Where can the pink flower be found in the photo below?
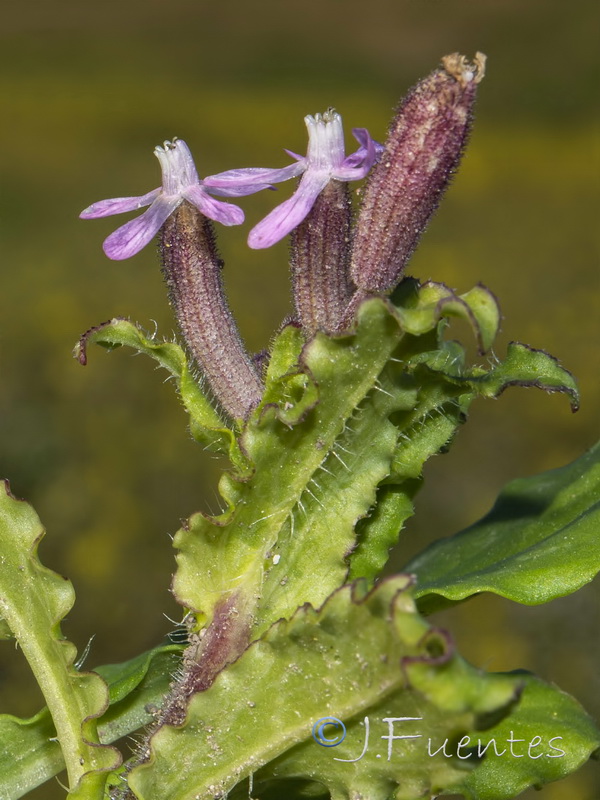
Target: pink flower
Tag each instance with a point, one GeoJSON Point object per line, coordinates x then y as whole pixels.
{"type": "Point", "coordinates": [180, 182]}
{"type": "Point", "coordinates": [325, 160]}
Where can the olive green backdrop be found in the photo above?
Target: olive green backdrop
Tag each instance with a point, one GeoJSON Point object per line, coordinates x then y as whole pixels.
{"type": "Point", "coordinates": [88, 90]}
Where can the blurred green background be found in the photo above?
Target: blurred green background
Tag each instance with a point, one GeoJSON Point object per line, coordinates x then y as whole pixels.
{"type": "Point", "coordinates": [88, 90]}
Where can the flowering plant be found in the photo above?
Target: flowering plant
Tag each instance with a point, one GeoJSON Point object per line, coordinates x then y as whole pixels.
{"type": "Point", "coordinates": [291, 644]}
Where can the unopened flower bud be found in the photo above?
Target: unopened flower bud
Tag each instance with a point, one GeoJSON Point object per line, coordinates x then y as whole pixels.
{"type": "Point", "coordinates": [423, 150]}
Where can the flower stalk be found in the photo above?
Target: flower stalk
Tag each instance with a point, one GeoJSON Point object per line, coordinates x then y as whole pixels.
{"type": "Point", "coordinates": [424, 147]}
{"type": "Point", "coordinates": [192, 270]}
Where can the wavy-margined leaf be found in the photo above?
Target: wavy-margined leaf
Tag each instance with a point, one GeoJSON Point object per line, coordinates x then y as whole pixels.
{"type": "Point", "coordinates": [360, 655]}
{"type": "Point", "coordinates": [33, 601]}
{"type": "Point", "coordinates": [417, 304]}
{"type": "Point", "coordinates": [324, 438]}
{"type": "Point", "coordinates": [29, 750]}
{"type": "Point", "coordinates": [539, 542]}
{"type": "Point", "coordinates": [526, 366]}
{"type": "Point", "coordinates": [445, 388]}
{"type": "Point", "coordinates": [326, 468]}
{"type": "Point", "coordinates": [545, 737]}
{"type": "Point", "coordinates": [205, 423]}
{"type": "Point", "coordinates": [314, 476]}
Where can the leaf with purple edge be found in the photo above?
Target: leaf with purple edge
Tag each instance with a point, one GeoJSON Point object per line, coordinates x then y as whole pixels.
{"type": "Point", "coordinates": [526, 366]}
{"type": "Point", "coordinates": [342, 419]}
{"type": "Point", "coordinates": [359, 655]}
{"type": "Point", "coordinates": [295, 514]}
{"type": "Point", "coordinates": [420, 307]}
{"type": "Point", "coordinates": [205, 423]}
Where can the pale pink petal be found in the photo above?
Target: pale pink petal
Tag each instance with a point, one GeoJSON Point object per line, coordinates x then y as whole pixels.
{"type": "Point", "coordinates": [287, 216]}
{"type": "Point", "coordinates": [239, 182]}
{"type": "Point", "coordinates": [363, 137]}
{"type": "Point", "coordinates": [225, 213]}
{"type": "Point", "coordinates": [118, 205]}
{"type": "Point", "coordinates": [356, 166]}
{"type": "Point", "coordinates": [238, 191]}
{"type": "Point", "coordinates": [130, 238]}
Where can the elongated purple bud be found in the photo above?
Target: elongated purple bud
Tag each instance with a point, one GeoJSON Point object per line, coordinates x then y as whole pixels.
{"type": "Point", "coordinates": [320, 261]}
{"type": "Point", "coordinates": [192, 270]}
{"type": "Point", "coordinates": [423, 150]}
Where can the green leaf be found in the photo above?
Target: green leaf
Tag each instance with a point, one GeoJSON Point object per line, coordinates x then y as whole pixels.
{"type": "Point", "coordinates": [29, 750]}
{"type": "Point", "coordinates": [417, 306]}
{"type": "Point", "coordinates": [33, 601]}
{"type": "Point", "coordinates": [445, 387]}
{"type": "Point", "coordinates": [342, 420]}
{"type": "Point", "coordinates": [525, 366]}
{"type": "Point", "coordinates": [205, 423]}
{"type": "Point", "coordinates": [360, 655]}
{"type": "Point", "coordinates": [486, 312]}
{"type": "Point", "coordinates": [29, 753]}
{"type": "Point", "coordinates": [326, 467]}
{"type": "Point", "coordinates": [137, 687]}
{"type": "Point", "coordinates": [539, 542]}
{"type": "Point", "coordinates": [378, 533]}
{"type": "Point", "coordinates": [340, 417]}
{"type": "Point", "coordinates": [545, 737]}
{"type": "Point", "coordinates": [320, 443]}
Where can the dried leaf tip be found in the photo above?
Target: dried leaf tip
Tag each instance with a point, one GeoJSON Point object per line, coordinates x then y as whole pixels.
{"type": "Point", "coordinates": [464, 72]}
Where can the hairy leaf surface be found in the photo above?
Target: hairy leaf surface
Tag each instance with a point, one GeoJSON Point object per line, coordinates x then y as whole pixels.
{"type": "Point", "coordinates": [325, 469]}
{"type": "Point", "coordinates": [330, 432]}
{"type": "Point", "coordinates": [360, 655]}
{"type": "Point", "coordinates": [205, 423]}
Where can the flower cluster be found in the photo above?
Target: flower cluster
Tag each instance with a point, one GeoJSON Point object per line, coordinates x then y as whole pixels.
{"type": "Point", "coordinates": [336, 262]}
{"type": "Point", "coordinates": [325, 160]}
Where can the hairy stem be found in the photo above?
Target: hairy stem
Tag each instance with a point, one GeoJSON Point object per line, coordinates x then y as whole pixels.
{"type": "Point", "coordinates": [192, 270]}
{"type": "Point", "coordinates": [320, 261]}
{"type": "Point", "coordinates": [221, 642]}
